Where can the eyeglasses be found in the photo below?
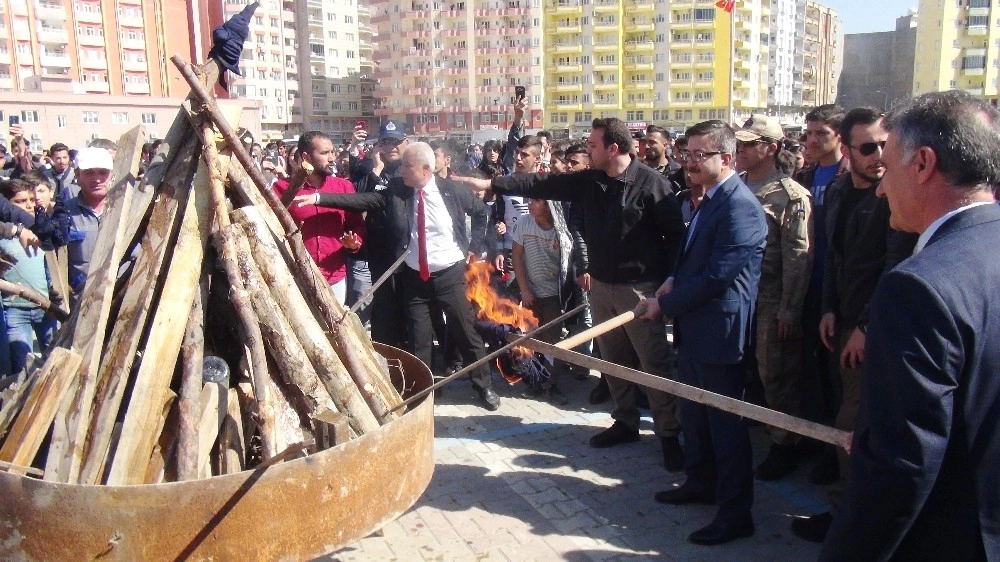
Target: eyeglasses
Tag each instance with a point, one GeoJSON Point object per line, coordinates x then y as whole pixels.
{"type": "Point", "coordinates": [696, 156]}
{"type": "Point", "coordinates": [386, 141]}
{"type": "Point", "coordinates": [747, 144]}
{"type": "Point", "coordinates": [869, 148]}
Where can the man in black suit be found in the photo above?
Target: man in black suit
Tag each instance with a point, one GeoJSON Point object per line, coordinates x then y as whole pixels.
{"type": "Point", "coordinates": [427, 214]}
{"type": "Point", "coordinates": [925, 460]}
{"type": "Point", "coordinates": [711, 296]}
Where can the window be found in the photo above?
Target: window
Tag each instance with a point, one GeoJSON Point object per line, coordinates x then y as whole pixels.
{"type": "Point", "coordinates": [90, 117]}
{"type": "Point", "coordinates": [119, 118]}
{"type": "Point", "coordinates": [61, 121]}
{"type": "Point", "coordinates": [29, 116]}
{"type": "Point", "coordinates": [148, 118]}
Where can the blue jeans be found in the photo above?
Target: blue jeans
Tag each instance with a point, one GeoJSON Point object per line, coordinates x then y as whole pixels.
{"type": "Point", "coordinates": [22, 324]}
{"type": "Point", "coordinates": [359, 281]}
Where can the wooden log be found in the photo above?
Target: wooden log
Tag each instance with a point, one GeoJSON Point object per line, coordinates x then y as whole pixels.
{"type": "Point", "coordinates": [296, 182]}
{"type": "Point", "coordinates": [226, 249]}
{"type": "Point", "coordinates": [27, 470]}
{"type": "Point", "coordinates": [375, 386]}
{"type": "Point", "coordinates": [161, 467]}
{"type": "Point", "coordinates": [57, 263]}
{"type": "Point", "coordinates": [293, 360]}
{"type": "Point", "coordinates": [14, 401]}
{"type": "Point", "coordinates": [69, 432]}
{"type": "Point", "coordinates": [139, 300]}
{"type": "Point", "coordinates": [602, 328]}
{"type": "Point", "coordinates": [192, 359]}
{"type": "Point", "coordinates": [35, 418]}
{"type": "Point", "coordinates": [231, 454]}
{"type": "Point", "coordinates": [165, 334]}
{"type": "Point", "coordinates": [214, 408]}
{"type": "Point", "coordinates": [34, 297]}
{"type": "Point", "coordinates": [330, 429]}
{"type": "Point", "coordinates": [356, 353]}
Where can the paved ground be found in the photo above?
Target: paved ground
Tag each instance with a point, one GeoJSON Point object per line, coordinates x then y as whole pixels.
{"type": "Point", "coordinates": [522, 484]}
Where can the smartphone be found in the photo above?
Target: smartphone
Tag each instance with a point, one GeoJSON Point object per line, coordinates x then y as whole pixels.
{"type": "Point", "coordinates": [519, 92]}
{"type": "Point", "coordinates": [359, 125]}
{"type": "Point", "coordinates": [14, 120]}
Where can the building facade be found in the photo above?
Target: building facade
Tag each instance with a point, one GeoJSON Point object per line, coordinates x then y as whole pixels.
{"type": "Point", "coordinates": [786, 58]}
{"type": "Point", "coordinates": [116, 47]}
{"type": "Point", "coordinates": [958, 47]}
{"type": "Point", "coordinates": [51, 112]}
{"type": "Point", "coordinates": [452, 67]}
{"type": "Point", "coordinates": [878, 67]}
{"type": "Point", "coordinates": [823, 55]}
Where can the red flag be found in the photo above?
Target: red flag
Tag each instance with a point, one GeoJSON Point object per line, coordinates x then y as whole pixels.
{"type": "Point", "coordinates": [727, 5]}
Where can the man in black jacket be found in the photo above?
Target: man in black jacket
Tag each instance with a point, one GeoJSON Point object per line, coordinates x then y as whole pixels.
{"type": "Point", "coordinates": [631, 224]}
{"type": "Point", "coordinates": [427, 214]}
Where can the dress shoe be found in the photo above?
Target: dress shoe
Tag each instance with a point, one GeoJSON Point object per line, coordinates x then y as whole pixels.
{"type": "Point", "coordinates": [673, 455]}
{"type": "Point", "coordinates": [718, 532]}
{"type": "Point", "coordinates": [812, 529]}
{"type": "Point", "coordinates": [684, 495]}
{"type": "Point", "coordinates": [600, 394]}
{"type": "Point", "coordinates": [780, 461]}
{"type": "Point", "coordinates": [491, 401]}
{"type": "Point", "coordinates": [826, 472]}
{"type": "Point", "coordinates": [616, 434]}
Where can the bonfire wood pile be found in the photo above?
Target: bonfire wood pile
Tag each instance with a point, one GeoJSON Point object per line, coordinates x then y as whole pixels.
{"type": "Point", "coordinates": [198, 259]}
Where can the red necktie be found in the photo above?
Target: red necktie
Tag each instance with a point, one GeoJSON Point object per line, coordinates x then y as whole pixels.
{"type": "Point", "coordinates": [425, 269]}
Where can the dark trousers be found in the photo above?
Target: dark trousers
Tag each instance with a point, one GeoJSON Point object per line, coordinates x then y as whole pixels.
{"type": "Point", "coordinates": [446, 290]}
{"type": "Point", "coordinates": [387, 308]}
{"type": "Point", "coordinates": [717, 450]}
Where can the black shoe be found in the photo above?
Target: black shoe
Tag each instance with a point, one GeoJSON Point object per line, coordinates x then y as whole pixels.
{"type": "Point", "coordinates": [555, 396]}
{"type": "Point", "coordinates": [718, 532]}
{"type": "Point", "coordinates": [491, 401]}
{"type": "Point", "coordinates": [780, 461]}
{"type": "Point", "coordinates": [684, 495]}
{"type": "Point", "coordinates": [812, 529]}
{"type": "Point", "coordinates": [673, 456]}
{"type": "Point", "coordinates": [616, 434]}
{"type": "Point", "coordinates": [826, 472]}
{"type": "Point", "coordinates": [533, 391]}
{"type": "Point", "coordinates": [600, 394]}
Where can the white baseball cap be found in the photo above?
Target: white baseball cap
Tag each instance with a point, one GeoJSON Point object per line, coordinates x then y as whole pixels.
{"type": "Point", "coordinates": [94, 158]}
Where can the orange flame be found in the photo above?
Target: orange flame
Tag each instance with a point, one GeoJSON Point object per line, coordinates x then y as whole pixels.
{"type": "Point", "coordinates": [493, 307]}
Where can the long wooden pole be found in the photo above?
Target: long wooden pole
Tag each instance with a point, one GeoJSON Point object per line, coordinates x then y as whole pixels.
{"type": "Point", "coordinates": [515, 341]}
{"type": "Point", "coordinates": [800, 426]}
{"type": "Point", "coordinates": [602, 328]}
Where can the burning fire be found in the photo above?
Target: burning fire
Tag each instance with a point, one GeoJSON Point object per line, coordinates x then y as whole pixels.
{"type": "Point", "coordinates": [493, 307]}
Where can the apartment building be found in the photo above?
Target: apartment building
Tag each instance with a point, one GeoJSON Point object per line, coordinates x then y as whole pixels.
{"type": "Point", "coordinates": [307, 61]}
{"type": "Point", "coordinates": [117, 47]}
{"type": "Point", "coordinates": [643, 63]}
{"type": "Point", "coordinates": [451, 66]}
{"type": "Point", "coordinates": [785, 61]}
{"type": "Point", "coordinates": [823, 55]}
{"type": "Point", "coordinates": [958, 47]}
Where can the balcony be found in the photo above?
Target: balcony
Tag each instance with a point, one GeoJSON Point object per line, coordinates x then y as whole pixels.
{"type": "Point", "coordinates": [605, 104]}
{"type": "Point", "coordinates": [605, 86]}
{"type": "Point", "coordinates": [89, 17]}
{"type": "Point", "coordinates": [640, 47]}
{"type": "Point", "coordinates": [6, 82]}
{"type": "Point", "coordinates": [416, 34]}
{"type": "Point", "coordinates": [130, 21]}
{"type": "Point", "coordinates": [976, 30]}
{"type": "Point", "coordinates": [133, 65]}
{"type": "Point", "coordinates": [564, 49]}
{"type": "Point", "coordinates": [639, 86]}
{"type": "Point", "coordinates": [5, 57]}
{"type": "Point", "coordinates": [606, 25]}
{"type": "Point", "coordinates": [605, 47]}
{"type": "Point", "coordinates": [55, 60]}
{"type": "Point", "coordinates": [973, 71]}
{"type": "Point", "coordinates": [52, 35]}
{"type": "Point", "coordinates": [564, 9]}
{"type": "Point", "coordinates": [638, 65]}
{"type": "Point", "coordinates": [138, 44]}
{"type": "Point", "coordinates": [565, 28]}
{"type": "Point", "coordinates": [90, 40]}
{"type": "Point", "coordinates": [136, 88]}
{"type": "Point", "coordinates": [97, 87]}
{"type": "Point", "coordinates": [640, 6]}
{"type": "Point", "coordinates": [417, 91]}
{"type": "Point", "coordinates": [566, 68]}
{"type": "Point", "coordinates": [50, 11]}
{"type": "Point", "coordinates": [605, 6]}
{"type": "Point", "coordinates": [606, 65]}
{"type": "Point", "coordinates": [564, 87]}
{"type": "Point", "coordinates": [647, 104]}
{"type": "Point", "coordinates": [566, 106]}
{"type": "Point", "coordinates": [639, 27]}
{"type": "Point", "coordinates": [416, 72]}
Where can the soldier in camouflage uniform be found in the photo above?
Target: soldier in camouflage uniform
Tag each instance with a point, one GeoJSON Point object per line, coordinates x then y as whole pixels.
{"type": "Point", "coordinates": [783, 282]}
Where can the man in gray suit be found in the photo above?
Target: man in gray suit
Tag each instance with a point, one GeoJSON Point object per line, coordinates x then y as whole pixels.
{"type": "Point", "coordinates": [925, 460]}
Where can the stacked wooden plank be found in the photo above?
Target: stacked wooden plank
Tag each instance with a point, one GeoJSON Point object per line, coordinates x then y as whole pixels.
{"type": "Point", "coordinates": [195, 264]}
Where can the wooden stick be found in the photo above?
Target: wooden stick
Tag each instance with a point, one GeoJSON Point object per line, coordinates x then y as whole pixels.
{"type": "Point", "coordinates": [192, 360]}
{"type": "Point", "coordinates": [602, 328]}
{"type": "Point", "coordinates": [296, 182]}
{"type": "Point", "coordinates": [371, 290]}
{"type": "Point", "coordinates": [29, 470]}
{"type": "Point", "coordinates": [34, 297]}
{"type": "Point", "coordinates": [515, 341]}
{"type": "Point", "coordinates": [800, 426]}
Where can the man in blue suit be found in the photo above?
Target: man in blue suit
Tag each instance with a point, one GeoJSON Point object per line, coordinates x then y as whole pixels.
{"type": "Point", "coordinates": [711, 297]}
{"type": "Point", "coordinates": [925, 461]}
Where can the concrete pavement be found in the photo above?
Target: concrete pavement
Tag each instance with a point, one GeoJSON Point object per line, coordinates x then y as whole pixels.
{"type": "Point", "coordinates": [522, 484]}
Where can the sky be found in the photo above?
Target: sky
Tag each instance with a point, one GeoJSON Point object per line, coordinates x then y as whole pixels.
{"type": "Point", "coordinates": [861, 16]}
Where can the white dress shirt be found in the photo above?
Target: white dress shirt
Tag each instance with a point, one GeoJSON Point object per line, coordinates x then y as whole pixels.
{"type": "Point", "coordinates": [925, 236]}
{"type": "Point", "coordinates": [442, 249]}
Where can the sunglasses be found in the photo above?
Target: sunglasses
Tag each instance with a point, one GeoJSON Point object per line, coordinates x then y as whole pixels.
{"type": "Point", "coordinates": [390, 142]}
{"type": "Point", "coordinates": [869, 148]}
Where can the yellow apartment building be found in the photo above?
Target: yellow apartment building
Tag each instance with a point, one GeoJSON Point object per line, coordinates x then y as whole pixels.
{"type": "Point", "coordinates": [958, 47]}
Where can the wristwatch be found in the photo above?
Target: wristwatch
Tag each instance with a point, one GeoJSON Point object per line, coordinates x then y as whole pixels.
{"type": "Point", "coordinates": [18, 230]}
{"type": "Point", "coordinates": [863, 328]}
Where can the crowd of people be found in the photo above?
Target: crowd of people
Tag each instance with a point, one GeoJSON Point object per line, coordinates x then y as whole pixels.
{"type": "Point", "coordinates": [843, 275]}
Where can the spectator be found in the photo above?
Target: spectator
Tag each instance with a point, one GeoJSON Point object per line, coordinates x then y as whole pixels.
{"type": "Point", "coordinates": [60, 175]}
{"type": "Point", "coordinates": [93, 175]}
